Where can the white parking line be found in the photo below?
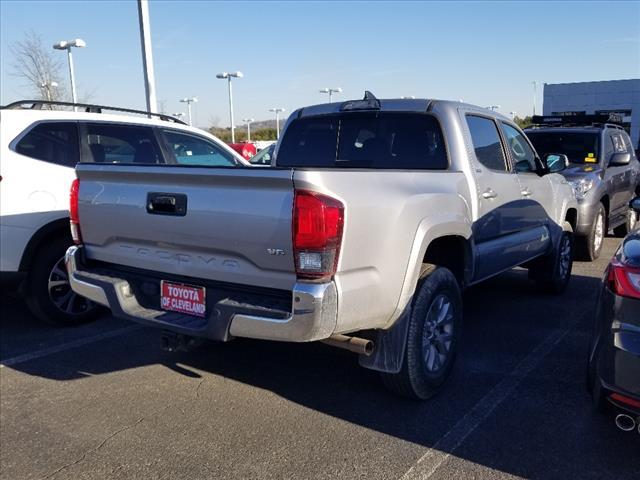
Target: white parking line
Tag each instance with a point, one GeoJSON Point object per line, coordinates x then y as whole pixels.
{"type": "Point", "coordinates": [429, 463]}
{"type": "Point", "coordinates": [66, 346]}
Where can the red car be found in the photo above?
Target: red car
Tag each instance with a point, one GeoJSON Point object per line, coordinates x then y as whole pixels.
{"type": "Point", "coordinates": [247, 150]}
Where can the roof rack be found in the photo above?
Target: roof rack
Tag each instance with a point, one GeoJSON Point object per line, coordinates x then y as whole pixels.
{"type": "Point", "coordinates": [610, 120]}
{"type": "Point", "coordinates": [88, 108]}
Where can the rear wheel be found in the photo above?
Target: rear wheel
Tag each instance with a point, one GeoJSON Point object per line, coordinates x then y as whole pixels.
{"type": "Point", "coordinates": [432, 339]}
{"type": "Point", "coordinates": [49, 295]}
{"type": "Point", "coordinates": [629, 225]}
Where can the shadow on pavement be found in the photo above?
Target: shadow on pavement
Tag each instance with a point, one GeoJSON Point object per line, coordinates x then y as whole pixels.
{"type": "Point", "coordinates": [545, 429]}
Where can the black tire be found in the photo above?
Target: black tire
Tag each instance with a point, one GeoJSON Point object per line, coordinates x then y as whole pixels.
{"type": "Point", "coordinates": [424, 371]}
{"type": "Point", "coordinates": [589, 245]}
{"type": "Point", "coordinates": [47, 266]}
{"type": "Point", "coordinates": [629, 225]}
{"type": "Point", "coordinates": [561, 263]}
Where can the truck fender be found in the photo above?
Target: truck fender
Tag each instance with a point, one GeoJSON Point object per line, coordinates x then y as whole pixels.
{"type": "Point", "coordinates": [391, 342]}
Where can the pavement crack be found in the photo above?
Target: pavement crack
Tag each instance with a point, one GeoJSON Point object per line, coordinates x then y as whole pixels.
{"type": "Point", "coordinates": [95, 449]}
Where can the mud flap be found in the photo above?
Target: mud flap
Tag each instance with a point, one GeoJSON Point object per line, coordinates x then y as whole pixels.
{"type": "Point", "coordinates": [390, 345]}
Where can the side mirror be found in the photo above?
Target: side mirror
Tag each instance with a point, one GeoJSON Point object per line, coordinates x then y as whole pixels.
{"type": "Point", "coordinates": [635, 204]}
{"type": "Point", "coordinates": [556, 162]}
{"type": "Point", "coordinates": [620, 159]}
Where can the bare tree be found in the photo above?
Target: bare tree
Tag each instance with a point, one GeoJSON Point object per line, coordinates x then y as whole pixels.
{"type": "Point", "coordinates": [39, 67]}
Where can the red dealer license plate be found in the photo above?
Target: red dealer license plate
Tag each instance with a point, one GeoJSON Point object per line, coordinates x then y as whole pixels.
{"type": "Point", "coordinates": [180, 298]}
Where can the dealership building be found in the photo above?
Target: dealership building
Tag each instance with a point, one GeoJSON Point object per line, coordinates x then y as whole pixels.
{"type": "Point", "coordinates": [615, 96]}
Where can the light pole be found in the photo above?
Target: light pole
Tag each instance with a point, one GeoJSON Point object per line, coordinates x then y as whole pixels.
{"type": "Point", "coordinates": [513, 115]}
{"type": "Point", "coordinates": [229, 76]}
{"type": "Point", "coordinates": [248, 122]}
{"type": "Point", "coordinates": [330, 91]}
{"type": "Point", "coordinates": [189, 101]}
{"type": "Point", "coordinates": [277, 111]}
{"type": "Point", "coordinates": [66, 45]}
{"type": "Point", "coordinates": [493, 108]}
{"type": "Point", "coordinates": [178, 115]}
{"type": "Point", "coordinates": [47, 86]}
{"type": "Point", "coordinates": [534, 96]}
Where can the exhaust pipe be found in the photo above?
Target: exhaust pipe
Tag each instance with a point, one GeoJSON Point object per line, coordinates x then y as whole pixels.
{"type": "Point", "coordinates": [625, 422]}
{"type": "Point", "coordinates": [357, 345]}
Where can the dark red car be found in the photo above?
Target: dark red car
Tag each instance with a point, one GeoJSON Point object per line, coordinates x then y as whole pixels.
{"type": "Point", "coordinates": [246, 149]}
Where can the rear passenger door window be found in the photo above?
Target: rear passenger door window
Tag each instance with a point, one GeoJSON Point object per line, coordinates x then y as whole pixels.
{"type": "Point", "coordinates": [193, 150]}
{"type": "Point", "coordinates": [53, 142]}
{"type": "Point", "coordinates": [115, 143]}
{"type": "Point", "coordinates": [486, 143]}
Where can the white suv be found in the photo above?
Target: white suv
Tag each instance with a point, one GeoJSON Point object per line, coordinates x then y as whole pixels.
{"type": "Point", "coordinates": [38, 153]}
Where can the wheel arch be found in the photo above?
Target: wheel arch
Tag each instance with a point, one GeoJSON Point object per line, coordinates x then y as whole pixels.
{"type": "Point", "coordinates": [437, 239]}
{"type": "Point", "coordinates": [59, 226]}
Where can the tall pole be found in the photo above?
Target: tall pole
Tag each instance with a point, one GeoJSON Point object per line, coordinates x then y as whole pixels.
{"type": "Point", "coordinates": [233, 135]}
{"type": "Point", "coordinates": [147, 56]}
{"type": "Point", "coordinates": [534, 97]}
{"type": "Point", "coordinates": [189, 110]}
{"type": "Point", "coordinates": [73, 80]}
{"type": "Point", "coordinates": [277, 124]}
{"type": "Point", "coordinates": [248, 131]}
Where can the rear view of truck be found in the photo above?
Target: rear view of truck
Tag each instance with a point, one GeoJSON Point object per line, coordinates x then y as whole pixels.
{"type": "Point", "coordinates": [319, 247]}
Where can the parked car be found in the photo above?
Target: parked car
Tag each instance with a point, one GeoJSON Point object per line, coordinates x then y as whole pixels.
{"type": "Point", "coordinates": [604, 173]}
{"type": "Point", "coordinates": [245, 149]}
{"type": "Point", "coordinates": [614, 355]}
{"type": "Point", "coordinates": [39, 150]}
{"type": "Point", "coordinates": [363, 240]}
{"type": "Point", "coordinates": [264, 157]}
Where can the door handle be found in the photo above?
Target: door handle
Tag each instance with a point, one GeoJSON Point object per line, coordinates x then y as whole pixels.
{"type": "Point", "coordinates": [167, 204]}
{"type": "Point", "coordinates": [489, 193]}
{"type": "Point", "coordinates": [526, 192]}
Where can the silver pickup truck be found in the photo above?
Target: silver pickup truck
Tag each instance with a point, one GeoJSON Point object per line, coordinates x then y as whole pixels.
{"type": "Point", "coordinates": [373, 218]}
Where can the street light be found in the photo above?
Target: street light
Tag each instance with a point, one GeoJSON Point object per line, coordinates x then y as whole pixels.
{"type": "Point", "coordinates": [513, 115]}
{"type": "Point", "coordinates": [493, 108]}
{"type": "Point", "coordinates": [277, 112]}
{"type": "Point", "coordinates": [178, 115]}
{"type": "Point", "coordinates": [47, 86]}
{"type": "Point", "coordinates": [229, 76]}
{"type": "Point", "coordinates": [66, 45]}
{"type": "Point", "coordinates": [189, 101]}
{"type": "Point", "coordinates": [330, 91]}
{"type": "Point", "coordinates": [535, 84]}
{"type": "Point", "coordinates": [248, 122]}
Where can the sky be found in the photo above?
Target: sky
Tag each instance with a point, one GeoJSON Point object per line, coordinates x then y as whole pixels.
{"type": "Point", "coordinates": [485, 53]}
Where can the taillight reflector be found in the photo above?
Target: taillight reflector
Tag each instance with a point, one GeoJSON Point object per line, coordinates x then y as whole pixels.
{"type": "Point", "coordinates": [624, 280]}
{"type": "Point", "coordinates": [626, 400]}
{"type": "Point", "coordinates": [74, 218]}
{"type": "Point", "coordinates": [317, 234]}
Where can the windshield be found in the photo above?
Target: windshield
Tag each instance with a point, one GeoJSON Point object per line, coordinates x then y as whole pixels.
{"type": "Point", "coordinates": [365, 140]}
{"type": "Point", "coordinates": [579, 147]}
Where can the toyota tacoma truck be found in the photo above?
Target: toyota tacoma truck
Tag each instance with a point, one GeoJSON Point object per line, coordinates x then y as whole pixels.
{"type": "Point", "coordinates": [604, 172]}
{"type": "Point", "coordinates": [374, 217]}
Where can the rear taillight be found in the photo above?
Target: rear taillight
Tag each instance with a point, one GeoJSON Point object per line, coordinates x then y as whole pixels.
{"type": "Point", "coordinates": [317, 234]}
{"type": "Point", "coordinates": [624, 280]}
{"type": "Point", "coordinates": [74, 218]}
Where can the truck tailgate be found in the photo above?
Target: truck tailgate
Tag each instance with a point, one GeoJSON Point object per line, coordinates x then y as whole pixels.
{"type": "Point", "coordinates": [235, 225]}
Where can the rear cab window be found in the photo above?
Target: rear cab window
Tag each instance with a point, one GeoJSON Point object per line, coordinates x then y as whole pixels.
{"type": "Point", "coordinates": [376, 140]}
{"type": "Point", "coordinates": [52, 142]}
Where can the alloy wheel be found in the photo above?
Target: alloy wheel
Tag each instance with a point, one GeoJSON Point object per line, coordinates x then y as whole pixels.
{"type": "Point", "coordinates": [599, 233]}
{"type": "Point", "coordinates": [61, 294]}
{"type": "Point", "coordinates": [437, 335]}
{"type": "Point", "coordinates": [565, 256]}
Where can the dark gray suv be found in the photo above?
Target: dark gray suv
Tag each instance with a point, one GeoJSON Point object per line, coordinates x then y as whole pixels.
{"type": "Point", "coordinates": [603, 171]}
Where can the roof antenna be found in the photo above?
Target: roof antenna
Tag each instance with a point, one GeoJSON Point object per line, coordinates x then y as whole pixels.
{"type": "Point", "coordinates": [369, 96]}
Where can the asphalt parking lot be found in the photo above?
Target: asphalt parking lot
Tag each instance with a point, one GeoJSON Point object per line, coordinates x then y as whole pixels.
{"type": "Point", "coordinates": [103, 401]}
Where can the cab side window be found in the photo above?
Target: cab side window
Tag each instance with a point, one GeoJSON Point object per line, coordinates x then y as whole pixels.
{"type": "Point", "coordinates": [524, 158]}
{"type": "Point", "coordinates": [486, 143]}
{"type": "Point", "coordinates": [53, 142]}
